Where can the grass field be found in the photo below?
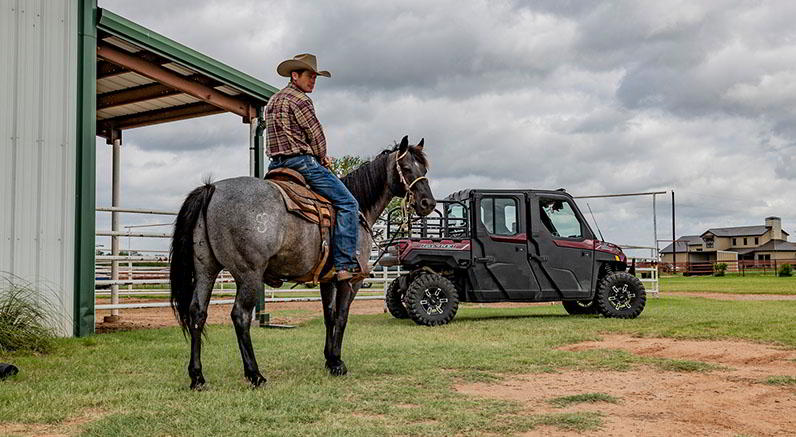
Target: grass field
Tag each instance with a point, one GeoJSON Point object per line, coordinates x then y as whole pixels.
{"type": "Point", "coordinates": [401, 379]}
{"type": "Point", "coordinates": [733, 284]}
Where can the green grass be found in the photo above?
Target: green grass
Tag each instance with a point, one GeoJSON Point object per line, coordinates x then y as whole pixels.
{"type": "Point", "coordinates": [731, 284]}
{"type": "Point", "coordinates": [401, 379]}
{"type": "Point", "coordinates": [566, 401]}
{"type": "Point", "coordinates": [781, 380]}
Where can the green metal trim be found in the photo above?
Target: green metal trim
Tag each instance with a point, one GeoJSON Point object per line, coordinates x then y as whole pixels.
{"type": "Point", "coordinates": [85, 165]}
{"type": "Point", "coordinates": [141, 36]}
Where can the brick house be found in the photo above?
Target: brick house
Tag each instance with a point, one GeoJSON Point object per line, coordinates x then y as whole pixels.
{"type": "Point", "coordinates": [765, 243]}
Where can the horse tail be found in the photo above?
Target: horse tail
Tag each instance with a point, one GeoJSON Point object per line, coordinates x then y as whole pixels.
{"type": "Point", "coordinates": [182, 273]}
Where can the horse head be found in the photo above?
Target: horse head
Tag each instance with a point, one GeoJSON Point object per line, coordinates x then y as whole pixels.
{"type": "Point", "coordinates": [409, 177]}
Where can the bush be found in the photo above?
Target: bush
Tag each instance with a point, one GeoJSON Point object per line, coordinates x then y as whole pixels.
{"type": "Point", "coordinates": [719, 269]}
{"type": "Point", "coordinates": [27, 318]}
{"type": "Point", "coordinates": [785, 270]}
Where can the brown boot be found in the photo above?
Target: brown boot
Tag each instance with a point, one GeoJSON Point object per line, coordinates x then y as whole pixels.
{"type": "Point", "coordinates": [350, 274]}
{"type": "Point", "coordinates": [345, 275]}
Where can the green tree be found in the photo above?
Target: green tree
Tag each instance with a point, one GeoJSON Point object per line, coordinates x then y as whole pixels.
{"type": "Point", "coordinates": [346, 164]}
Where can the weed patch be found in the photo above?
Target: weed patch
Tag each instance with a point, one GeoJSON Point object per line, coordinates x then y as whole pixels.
{"type": "Point", "coordinates": [781, 380]}
{"type": "Point", "coordinates": [683, 365]}
{"type": "Point", "coordinates": [27, 317]}
{"type": "Point", "coordinates": [571, 421]}
{"type": "Point", "coordinates": [565, 401]}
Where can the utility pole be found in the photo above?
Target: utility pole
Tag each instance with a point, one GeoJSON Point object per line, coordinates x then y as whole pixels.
{"type": "Point", "coordinates": [674, 239]}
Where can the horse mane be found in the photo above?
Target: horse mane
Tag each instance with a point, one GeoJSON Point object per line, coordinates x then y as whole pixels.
{"type": "Point", "coordinates": [368, 182]}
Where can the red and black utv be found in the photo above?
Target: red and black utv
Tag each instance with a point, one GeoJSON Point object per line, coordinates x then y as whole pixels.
{"type": "Point", "coordinates": [506, 246]}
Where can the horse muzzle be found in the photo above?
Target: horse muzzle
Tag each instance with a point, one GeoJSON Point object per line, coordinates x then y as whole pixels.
{"type": "Point", "coordinates": [425, 206]}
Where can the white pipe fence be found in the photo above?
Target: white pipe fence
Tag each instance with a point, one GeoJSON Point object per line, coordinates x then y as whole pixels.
{"type": "Point", "coordinates": [117, 270]}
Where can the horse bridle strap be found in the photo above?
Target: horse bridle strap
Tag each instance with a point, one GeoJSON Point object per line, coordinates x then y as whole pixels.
{"type": "Point", "coordinates": [407, 186]}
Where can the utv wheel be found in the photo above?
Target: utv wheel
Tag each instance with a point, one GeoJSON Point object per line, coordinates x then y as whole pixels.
{"type": "Point", "coordinates": [620, 295]}
{"type": "Point", "coordinates": [394, 298]}
{"type": "Point", "coordinates": [431, 300]}
{"type": "Point", "coordinates": [576, 307]}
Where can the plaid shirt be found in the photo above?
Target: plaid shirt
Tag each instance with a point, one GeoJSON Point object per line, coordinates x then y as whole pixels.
{"type": "Point", "coordinates": [292, 127]}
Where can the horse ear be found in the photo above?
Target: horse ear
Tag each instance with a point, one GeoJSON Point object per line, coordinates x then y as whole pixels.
{"type": "Point", "coordinates": [420, 144]}
{"type": "Point", "coordinates": [404, 144]}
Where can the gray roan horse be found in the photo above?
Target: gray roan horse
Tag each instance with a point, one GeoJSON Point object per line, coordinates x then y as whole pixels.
{"type": "Point", "coordinates": [241, 224]}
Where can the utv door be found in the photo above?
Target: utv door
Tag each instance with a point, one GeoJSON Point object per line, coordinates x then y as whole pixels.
{"type": "Point", "coordinates": [563, 246]}
{"type": "Point", "coordinates": [500, 260]}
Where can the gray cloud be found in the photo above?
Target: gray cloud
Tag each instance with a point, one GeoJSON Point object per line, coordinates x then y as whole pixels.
{"type": "Point", "coordinates": [606, 97]}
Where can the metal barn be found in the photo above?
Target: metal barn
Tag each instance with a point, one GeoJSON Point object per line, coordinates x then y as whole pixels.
{"type": "Point", "coordinates": [74, 72]}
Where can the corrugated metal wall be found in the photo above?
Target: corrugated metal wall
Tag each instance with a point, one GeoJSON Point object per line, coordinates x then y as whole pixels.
{"type": "Point", "coordinates": [38, 88]}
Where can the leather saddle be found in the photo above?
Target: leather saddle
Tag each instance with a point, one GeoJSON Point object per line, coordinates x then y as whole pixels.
{"type": "Point", "coordinates": [303, 202]}
{"type": "Point", "coordinates": [300, 199]}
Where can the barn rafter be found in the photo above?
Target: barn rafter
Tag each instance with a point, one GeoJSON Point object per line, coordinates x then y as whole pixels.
{"type": "Point", "coordinates": [144, 78]}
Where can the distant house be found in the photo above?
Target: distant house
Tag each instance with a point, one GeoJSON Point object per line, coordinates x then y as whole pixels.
{"type": "Point", "coordinates": [762, 243]}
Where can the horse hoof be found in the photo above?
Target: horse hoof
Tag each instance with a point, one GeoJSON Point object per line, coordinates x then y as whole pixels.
{"type": "Point", "coordinates": [198, 384]}
{"type": "Point", "coordinates": [337, 369]}
{"type": "Point", "coordinates": [256, 380]}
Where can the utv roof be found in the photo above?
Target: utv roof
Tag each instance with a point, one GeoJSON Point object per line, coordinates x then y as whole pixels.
{"type": "Point", "coordinates": [465, 194]}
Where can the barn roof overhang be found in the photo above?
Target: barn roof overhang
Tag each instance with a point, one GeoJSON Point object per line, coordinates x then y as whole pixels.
{"type": "Point", "coordinates": [144, 78]}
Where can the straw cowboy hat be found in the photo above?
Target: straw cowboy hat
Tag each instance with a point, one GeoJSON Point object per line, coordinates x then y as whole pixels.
{"type": "Point", "coordinates": [304, 61]}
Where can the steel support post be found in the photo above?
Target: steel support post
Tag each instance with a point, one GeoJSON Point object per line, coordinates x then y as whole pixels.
{"type": "Point", "coordinates": [115, 226]}
{"type": "Point", "coordinates": [257, 169]}
{"type": "Point", "coordinates": [655, 225]}
{"type": "Point", "coordinates": [252, 152]}
{"type": "Point", "coordinates": [674, 239]}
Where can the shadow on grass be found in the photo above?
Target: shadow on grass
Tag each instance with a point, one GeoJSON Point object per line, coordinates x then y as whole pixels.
{"type": "Point", "coordinates": [476, 317]}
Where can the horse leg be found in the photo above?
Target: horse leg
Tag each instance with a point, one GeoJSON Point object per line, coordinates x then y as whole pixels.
{"type": "Point", "coordinates": [197, 313]}
{"type": "Point", "coordinates": [248, 288]}
{"type": "Point", "coordinates": [345, 295]}
{"type": "Point", "coordinates": [328, 298]}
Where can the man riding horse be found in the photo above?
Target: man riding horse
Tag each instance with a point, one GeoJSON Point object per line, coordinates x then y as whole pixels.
{"type": "Point", "coordinates": [296, 141]}
{"type": "Point", "coordinates": [247, 226]}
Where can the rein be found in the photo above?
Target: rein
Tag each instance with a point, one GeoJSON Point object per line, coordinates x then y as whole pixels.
{"type": "Point", "coordinates": [409, 196]}
{"type": "Point", "coordinates": [407, 201]}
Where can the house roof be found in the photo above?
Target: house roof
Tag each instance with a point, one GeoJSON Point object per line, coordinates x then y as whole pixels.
{"type": "Point", "coordinates": [682, 243]}
{"type": "Point", "coordinates": [144, 78]}
{"type": "Point", "coordinates": [771, 246]}
{"type": "Point", "coordinates": [738, 231]}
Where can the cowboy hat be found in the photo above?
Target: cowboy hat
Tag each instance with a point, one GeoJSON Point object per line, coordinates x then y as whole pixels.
{"type": "Point", "coordinates": [304, 61]}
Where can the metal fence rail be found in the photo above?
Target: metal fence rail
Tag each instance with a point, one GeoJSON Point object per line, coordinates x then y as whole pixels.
{"type": "Point", "coordinates": [738, 267]}
{"type": "Point", "coordinates": [125, 270]}
{"type": "Point", "coordinates": [118, 270]}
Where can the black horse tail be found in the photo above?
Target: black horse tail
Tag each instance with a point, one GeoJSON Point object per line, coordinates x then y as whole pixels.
{"type": "Point", "coordinates": [182, 273]}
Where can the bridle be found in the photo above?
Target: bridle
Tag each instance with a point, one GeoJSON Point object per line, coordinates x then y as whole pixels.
{"type": "Point", "coordinates": [409, 196]}
{"type": "Point", "coordinates": [407, 201]}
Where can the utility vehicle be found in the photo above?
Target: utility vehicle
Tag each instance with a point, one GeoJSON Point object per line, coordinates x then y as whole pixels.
{"type": "Point", "coordinates": [506, 246]}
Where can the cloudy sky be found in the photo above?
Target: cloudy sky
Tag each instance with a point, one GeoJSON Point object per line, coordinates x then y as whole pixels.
{"type": "Point", "coordinates": [597, 97]}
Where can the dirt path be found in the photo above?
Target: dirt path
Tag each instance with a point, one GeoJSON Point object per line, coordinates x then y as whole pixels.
{"type": "Point", "coordinates": [727, 402]}
{"type": "Point", "coordinates": [68, 428]}
{"type": "Point", "coordinates": [297, 312]}
{"type": "Point", "coordinates": [284, 313]}
{"type": "Point", "coordinates": [289, 313]}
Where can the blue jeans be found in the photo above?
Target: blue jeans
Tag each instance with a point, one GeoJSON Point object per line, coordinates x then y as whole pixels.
{"type": "Point", "coordinates": [328, 185]}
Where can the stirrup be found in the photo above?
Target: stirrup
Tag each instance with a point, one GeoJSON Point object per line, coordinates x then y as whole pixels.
{"type": "Point", "coordinates": [354, 274]}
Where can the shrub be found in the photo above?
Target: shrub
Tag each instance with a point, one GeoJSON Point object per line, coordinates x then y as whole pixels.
{"type": "Point", "coordinates": [785, 270]}
{"type": "Point", "coordinates": [719, 269]}
{"type": "Point", "coordinates": [27, 318]}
